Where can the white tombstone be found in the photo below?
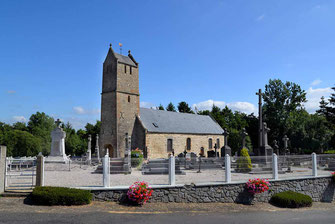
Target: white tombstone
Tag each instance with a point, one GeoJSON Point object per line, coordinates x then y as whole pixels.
{"type": "Point", "coordinates": [57, 153]}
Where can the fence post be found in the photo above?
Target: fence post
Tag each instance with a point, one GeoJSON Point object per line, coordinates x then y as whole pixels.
{"type": "Point", "coordinates": [3, 167]}
{"type": "Point", "coordinates": [315, 165]}
{"type": "Point", "coordinates": [227, 167]}
{"type": "Point", "coordinates": [106, 170]}
{"type": "Point", "coordinates": [40, 170]}
{"type": "Point", "coordinates": [172, 171]}
{"type": "Point", "coordinates": [274, 166]}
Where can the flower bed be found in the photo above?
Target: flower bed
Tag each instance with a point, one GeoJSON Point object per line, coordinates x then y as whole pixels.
{"type": "Point", "coordinates": [139, 192]}
{"type": "Point", "coordinates": [256, 186]}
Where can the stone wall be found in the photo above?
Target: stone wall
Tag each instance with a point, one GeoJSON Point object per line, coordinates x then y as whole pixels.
{"type": "Point", "coordinates": [157, 143]}
{"type": "Point", "coordinates": [320, 189]}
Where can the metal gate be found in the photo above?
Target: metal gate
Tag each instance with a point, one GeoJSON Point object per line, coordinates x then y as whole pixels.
{"type": "Point", "coordinates": [20, 174]}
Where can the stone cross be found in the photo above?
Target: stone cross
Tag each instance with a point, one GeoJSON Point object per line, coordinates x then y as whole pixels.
{"type": "Point", "coordinates": [285, 140]}
{"type": "Point", "coordinates": [260, 118]}
{"type": "Point", "coordinates": [265, 131]}
{"type": "Point", "coordinates": [89, 154]}
{"type": "Point", "coordinates": [58, 122]}
{"type": "Point", "coordinates": [225, 149]}
{"type": "Point", "coordinates": [215, 147]}
{"type": "Point", "coordinates": [244, 134]}
{"type": "Point", "coordinates": [97, 146]}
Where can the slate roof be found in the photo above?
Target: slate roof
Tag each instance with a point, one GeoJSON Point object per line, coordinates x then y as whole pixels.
{"type": "Point", "coordinates": [125, 59]}
{"type": "Point", "coordinates": [160, 121]}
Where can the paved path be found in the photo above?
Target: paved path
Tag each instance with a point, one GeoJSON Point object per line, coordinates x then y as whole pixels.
{"type": "Point", "coordinates": [13, 210]}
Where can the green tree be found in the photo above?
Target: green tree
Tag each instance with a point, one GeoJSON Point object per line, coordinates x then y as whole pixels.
{"type": "Point", "coordinates": [21, 143]}
{"type": "Point", "coordinates": [244, 161]}
{"type": "Point", "coordinates": [74, 145]}
{"type": "Point", "coordinates": [171, 107]}
{"type": "Point", "coordinates": [160, 107]}
{"type": "Point", "coordinates": [41, 125]}
{"type": "Point", "coordinates": [280, 99]}
{"type": "Point", "coordinates": [183, 107]}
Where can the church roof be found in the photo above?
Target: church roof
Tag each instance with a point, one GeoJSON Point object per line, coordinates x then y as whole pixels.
{"type": "Point", "coordinates": [160, 121]}
{"type": "Point", "coordinates": [125, 59]}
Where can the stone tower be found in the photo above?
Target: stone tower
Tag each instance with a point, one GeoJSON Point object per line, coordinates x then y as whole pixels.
{"type": "Point", "coordinates": [120, 101]}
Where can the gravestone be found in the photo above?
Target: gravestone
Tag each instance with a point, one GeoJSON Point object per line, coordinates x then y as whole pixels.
{"type": "Point", "coordinates": [225, 149]}
{"type": "Point", "coordinates": [266, 148]}
{"type": "Point", "coordinates": [57, 153]}
{"type": "Point", "coordinates": [89, 151]}
{"type": "Point", "coordinates": [276, 147]}
{"type": "Point", "coordinates": [244, 134]}
{"type": "Point", "coordinates": [97, 150]}
{"type": "Point", "coordinates": [285, 141]}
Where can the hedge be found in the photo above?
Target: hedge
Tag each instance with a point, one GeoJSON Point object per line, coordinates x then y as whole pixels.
{"type": "Point", "coordinates": [290, 199]}
{"type": "Point", "coordinates": [60, 196]}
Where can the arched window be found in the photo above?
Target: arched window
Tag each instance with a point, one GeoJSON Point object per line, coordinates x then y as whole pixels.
{"type": "Point", "coordinates": [210, 143]}
{"type": "Point", "coordinates": [169, 145]}
{"type": "Point", "coordinates": [202, 151]}
{"type": "Point", "coordinates": [188, 143]}
{"type": "Point", "coordinates": [128, 99]}
{"type": "Point", "coordinates": [218, 143]}
{"type": "Point", "coordinates": [130, 70]}
{"type": "Point", "coordinates": [125, 68]}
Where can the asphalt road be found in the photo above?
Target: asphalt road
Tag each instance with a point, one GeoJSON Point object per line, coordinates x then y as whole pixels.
{"type": "Point", "coordinates": [15, 211]}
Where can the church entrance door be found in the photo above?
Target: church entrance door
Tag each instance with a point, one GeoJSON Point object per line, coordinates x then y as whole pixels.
{"type": "Point", "coordinates": [110, 149]}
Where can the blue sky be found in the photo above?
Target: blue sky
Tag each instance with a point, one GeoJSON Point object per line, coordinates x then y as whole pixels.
{"type": "Point", "coordinates": [201, 52]}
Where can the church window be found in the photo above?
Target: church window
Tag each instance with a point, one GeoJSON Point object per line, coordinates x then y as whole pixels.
{"type": "Point", "coordinates": [125, 68]}
{"type": "Point", "coordinates": [130, 70]}
{"type": "Point", "coordinates": [128, 99]}
{"type": "Point", "coordinates": [188, 143]}
{"type": "Point", "coordinates": [169, 145]}
{"type": "Point", "coordinates": [218, 143]}
{"type": "Point", "coordinates": [154, 124]}
{"type": "Point", "coordinates": [210, 143]}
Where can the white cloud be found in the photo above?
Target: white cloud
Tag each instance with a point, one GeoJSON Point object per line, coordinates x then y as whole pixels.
{"type": "Point", "coordinates": [19, 119]}
{"type": "Point", "coordinates": [244, 107]}
{"type": "Point", "coordinates": [81, 111]}
{"type": "Point", "coordinates": [313, 97]}
{"type": "Point", "coordinates": [316, 82]}
{"type": "Point", "coordinates": [208, 104]}
{"type": "Point", "coordinates": [147, 105]}
{"type": "Point", "coordinates": [261, 17]}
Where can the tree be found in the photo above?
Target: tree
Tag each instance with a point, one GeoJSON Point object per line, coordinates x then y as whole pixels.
{"type": "Point", "coordinates": [171, 107]}
{"type": "Point", "coordinates": [160, 107]}
{"type": "Point", "coordinates": [41, 125]}
{"type": "Point", "coordinates": [183, 107]}
{"type": "Point", "coordinates": [280, 99]}
{"type": "Point", "coordinates": [93, 130]}
{"type": "Point", "coordinates": [21, 143]}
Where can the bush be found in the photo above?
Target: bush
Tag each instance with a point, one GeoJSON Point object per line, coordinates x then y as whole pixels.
{"type": "Point", "coordinates": [136, 158]}
{"type": "Point", "coordinates": [290, 199]}
{"type": "Point", "coordinates": [60, 196]}
{"type": "Point", "coordinates": [329, 152]}
{"type": "Point", "coordinates": [244, 161]}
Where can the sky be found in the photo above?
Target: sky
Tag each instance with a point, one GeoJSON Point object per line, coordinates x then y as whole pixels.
{"type": "Point", "coordinates": [202, 52]}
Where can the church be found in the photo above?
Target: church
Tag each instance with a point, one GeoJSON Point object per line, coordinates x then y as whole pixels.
{"type": "Point", "coordinates": [156, 133]}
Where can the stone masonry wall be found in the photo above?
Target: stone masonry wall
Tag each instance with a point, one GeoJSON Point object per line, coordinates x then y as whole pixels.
{"type": "Point", "coordinates": [157, 143]}
{"type": "Point", "coordinates": [320, 189]}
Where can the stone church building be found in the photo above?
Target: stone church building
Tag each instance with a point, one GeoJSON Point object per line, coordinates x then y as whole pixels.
{"type": "Point", "coordinates": [157, 133]}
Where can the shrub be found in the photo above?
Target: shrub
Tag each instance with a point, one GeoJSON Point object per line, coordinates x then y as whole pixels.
{"type": "Point", "coordinates": [290, 199]}
{"type": "Point", "coordinates": [136, 158]}
{"type": "Point", "coordinates": [244, 161]}
{"type": "Point", "coordinates": [139, 193]}
{"type": "Point", "coordinates": [256, 186]}
{"type": "Point", "coordinates": [329, 152]}
{"type": "Point", "coordinates": [60, 196]}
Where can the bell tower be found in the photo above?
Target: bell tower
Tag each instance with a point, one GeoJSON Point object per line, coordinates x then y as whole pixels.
{"type": "Point", "coordinates": [120, 101]}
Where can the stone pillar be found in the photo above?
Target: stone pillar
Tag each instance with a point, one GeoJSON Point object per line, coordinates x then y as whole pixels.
{"type": "Point", "coordinates": [274, 166]}
{"type": "Point", "coordinates": [40, 170]}
{"type": "Point", "coordinates": [97, 150]}
{"type": "Point", "coordinates": [3, 150]}
{"type": "Point", "coordinates": [106, 170]}
{"type": "Point", "coordinates": [315, 165]}
{"type": "Point", "coordinates": [172, 171]}
{"type": "Point", "coordinates": [227, 168]}
{"type": "Point", "coordinates": [89, 151]}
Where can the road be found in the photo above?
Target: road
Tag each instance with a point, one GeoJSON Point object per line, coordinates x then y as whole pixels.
{"type": "Point", "coordinates": [15, 211]}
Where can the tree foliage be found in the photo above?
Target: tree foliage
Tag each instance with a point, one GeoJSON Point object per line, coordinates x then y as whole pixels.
{"type": "Point", "coordinates": [171, 107]}
{"type": "Point", "coordinates": [183, 107]}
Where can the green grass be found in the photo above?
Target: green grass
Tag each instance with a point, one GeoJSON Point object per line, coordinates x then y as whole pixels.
{"type": "Point", "coordinates": [290, 199]}
{"type": "Point", "coordinates": [329, 152]}
{"type": "Point", "coordinates": [60, 196]}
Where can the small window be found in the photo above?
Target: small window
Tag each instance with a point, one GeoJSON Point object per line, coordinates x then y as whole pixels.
{"type": "Point", "coordinates": [188, 143]}
{"type": "Point", "coordinates": [125, 68]}
{"type": "Point", "coordinates": [218, 143]}
{"type": "Point", "coordinates": [169, 145]}
{"type": "Point", "coordinates": [154, 124]}
{"type": "Point", "coordinates": [128, 99]}
{"type": "Point", "coordinates": [210, 143]}
{"type": "Point", "coordinates": [130, 70]}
